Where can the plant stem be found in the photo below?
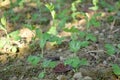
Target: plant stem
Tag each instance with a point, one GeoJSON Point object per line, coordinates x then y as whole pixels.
{"type": "Point", "coordinates": [42, 52]}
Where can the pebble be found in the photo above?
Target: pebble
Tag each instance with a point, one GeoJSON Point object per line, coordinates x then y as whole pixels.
{"type": "Point", "coordinates": [61, 77]}
{"type": "Point", "coordinates": [87, 78]}
{"type": "Point", "coordinates": [78, 76]}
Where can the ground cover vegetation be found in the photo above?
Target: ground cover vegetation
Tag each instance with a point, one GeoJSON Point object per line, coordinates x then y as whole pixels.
{"type": "Point", "coordinates": [60, 40]}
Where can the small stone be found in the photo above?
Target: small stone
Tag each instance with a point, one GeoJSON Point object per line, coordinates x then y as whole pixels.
{"type": "Point", "coordinates": [61, 77]}
{"type": "Point", "coordinates": [96, 32]}
{"type": "Point", "coordinates": [110, 36]}
{"type": "Point", "coordinates": [78, 76]}
{"type": "Point", "coordinates": [87, 78]}
{"type": "Point", "coordinates": [105, 62]}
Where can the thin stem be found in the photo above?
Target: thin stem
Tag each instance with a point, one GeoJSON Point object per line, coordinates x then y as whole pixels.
{"type": "Point", "coordinates": [42, 52]}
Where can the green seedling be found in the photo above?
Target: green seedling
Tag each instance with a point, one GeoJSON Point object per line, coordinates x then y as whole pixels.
{"type": "Point", "coordinates": [2, 42]}
{"type": "Point", "coordinates": [53, 29]}
{"type": "Point", "coordinates": [42, 38]}
{"type": "Point", "coordinates": [91, 37]}
{"type": "Point", "coordinates": [48, 64]}
{"type": "Point", "coordinates": [62, 17]}
{"type": "Point", "coordinates": [74, 46]}
{"type": "Point", "coordinates": [84, 44]}
{"type": "Point", "coordinates": [29, 26]}
{"type": "Point", "coordinates": [82, 34]}
{"type": "Point", "coordinates": [72, 30]}
{"type": "Point", "coordinates": [75, 62]}
{"type": "Point", "coordinates": [110, 49]}
{"type": "Point", "coordinates": [74, 9]}
{"type": "Point", "coordinates": [34, 60]}
{"type": "Point", "coordinates": [116, 69]}
{"type": "Point", "coordinates": [93, 21]}
{"type": "Point", "coordinates": [55, 39]}
{"type": "Point", "coordinates": [14, 35]}
{"type": "Point", "coordinates": [4, 25]}
{"type": "Point", "coordinates": [95, 3]}
{"type": "Point", "coordinates": [52, 11]}
{"type": "Point", "coordinates": [41, 75]}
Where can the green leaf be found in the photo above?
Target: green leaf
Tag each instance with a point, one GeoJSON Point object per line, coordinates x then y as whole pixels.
{"type": "Point", "coordinates": [46, 63]}
{"type": "Point", "coordinates": [2, 43]}
{"type": "Point", "coordinates": [38, 33]}
{"type": "Point", "coordinates": [91, 37]}
{"type": "Point", "coordinates": [73, 8]}
{"type": "Point", "coordinates": [62, 22]}
{"type": "Point", "coordinates": [29, 26]}
{"type": "Point", "coordinates": [50, 6]}
{"type": "Point", "coordinates": [75, 46]}
{"type": "Point", "coordinates": [46, 36]}
{"type": "Point", "coordinates": [74, 62]}
{"type": "Point", "coordinates": [41, 75]}
{"type": "Point", "coordinates": [53, 13]}
{"type": "Point", "coordinates": [95, 2]}
{"type": "Point", "coordinates": [15, 35]}
{"type": "Point", "coordinates": [72, 29]}
{"type": "Point", "coordinates": [94, 8]}
{"type": "Point", "coordinates": [44, 39]}
{"type": "Point", "coordinates": [116, 69]}
{"type": "Point", "coordinates": [94, 22]}
{"type": "Point", "coordinates": [56, 39]}
{"type": "Point", "coordinates": [33, 60]}
{"type": "Point", "coordinates": [110, 49]}
{"type": "Point", "coordinates": [84, 43]}
{"type": "Point", "coordinates": [52, 64]}
{"type": "Point", "coordinates": [53, 30]}
{"type": "Point", "coordinates": [42, 43]}
{"type": "Point", "coordinates": [82, 34]}
{"type": "Point", "coordinates": [83, 62]}
{"type": "Point", "coordinates": [3, 21]}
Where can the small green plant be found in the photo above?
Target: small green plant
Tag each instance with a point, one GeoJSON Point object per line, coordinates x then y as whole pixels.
{"type": "Point", "coordinates": [116, 69]}
{"type": "Point", "coordinates": [48, 64]}
{"type": "Point", "coordinates": [91, 37]}
{"type": "Point", "coordinates": [13, 35]}
{"type": "Point", "coordinates": [34, 60]}
{"type": "Point", "coordinates": [92, 21]}
{"type": "Point", "coordinates": [74, 46]}
{"type": "Point", "coordinates": [4, 25]}
{"type": "Point", "coordinates": [110, 49]}
{"type": "Point", "coordinates": [74, 9]}
{"type": "Point", "coordinates": [53, 29]}
{"type": "Point", "coordinates": [75, 62]}
{"type": "Point", "coordinates": [95, 5]}
{"type": "Point", "coordinates": [42, 39]}
{"type": "Point", "coordinates": [41, 75]}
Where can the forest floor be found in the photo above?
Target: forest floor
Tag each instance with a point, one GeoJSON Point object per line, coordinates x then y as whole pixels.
{"type": "Point", "coordinates": [14, 66]}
